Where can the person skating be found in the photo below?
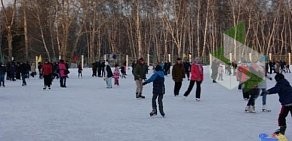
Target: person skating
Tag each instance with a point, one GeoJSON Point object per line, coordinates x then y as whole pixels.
{"type": "Point", "coordinates": [24, 70]}
{"type": "Point", "coordinates": [139, 75]}
{"type": "Point", "coordinates": [214, 67]}
{"type": "Point", "coordinates": [108, 75]}
{"type": "Point", "coordinates": [284, 90]}
{"type": "Point", "coordinates": [241, 77]}
{"type": "Point", "coordinates": [63, 72]}
{"type": "Point", "coordinates": [123, 70]}
{"type": "Point", "coordinates": [2, 74]}
{"type": "Point", "coordinates": [263, 84]}
{"type": "Point", "coordinates": [178, 73]}
{"type": "Point", "coordinates": [47, 71]}
{"type": "Point", "coordinates": [80, 71]}
{"type": "Point", "coordinates": [158, 90]}
{"type": "Point", "coordinates": [187, 68]}
{"type": "Point", "coordinates": [250, 86]}
{"type": "Point", "coordinates": [196, 77]}
{"type": "Point", "coordinates": [116, 75]}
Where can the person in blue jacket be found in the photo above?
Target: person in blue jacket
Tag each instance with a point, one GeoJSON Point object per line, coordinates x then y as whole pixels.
{"type": "Point", "coordinates": [158, 90]}
{"type": "Point", "coordinates": [284, 90]}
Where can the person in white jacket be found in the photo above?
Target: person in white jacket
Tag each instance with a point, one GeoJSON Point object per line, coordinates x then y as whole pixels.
{"type": "Point", "coordinates": [263, 85]}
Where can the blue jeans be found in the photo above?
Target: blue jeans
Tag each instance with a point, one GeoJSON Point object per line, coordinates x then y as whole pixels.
{"type": "Point", "coordinates": [264, 96]}
{"type": "Point", "coordinates": [108, 81]}
{"type": "Point", "coordinates": [23, 76]}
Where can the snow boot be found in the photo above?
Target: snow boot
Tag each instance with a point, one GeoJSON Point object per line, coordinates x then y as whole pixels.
{"type": "Point", "coordinates": [154, 112]}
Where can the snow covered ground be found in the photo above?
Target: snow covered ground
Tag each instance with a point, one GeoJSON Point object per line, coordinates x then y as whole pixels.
{"type": "Point", "coordinates": [87, 111]}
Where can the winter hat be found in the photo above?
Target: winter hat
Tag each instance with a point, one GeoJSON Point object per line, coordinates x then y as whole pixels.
{"type": "Point", "coordinates": [197, 60]}
{"type": "Point", "coordinates": [279, 76]}
{"type": "Point", "coordinates": [141, 59]}
{"type": "Point", "coordinates": [158, 68]}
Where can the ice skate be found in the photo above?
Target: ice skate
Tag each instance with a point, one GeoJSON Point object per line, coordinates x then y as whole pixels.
{"type": "Point", "coordinates": [247, 108]}
{"type": "Point", "coordinates": [154, 112]}
{"type": "Point", "coordinates": [264, 109]}
{"type": "Point", "coordinates": [252, 109]}
{"type": "Point", "coordinates": [281, 130]}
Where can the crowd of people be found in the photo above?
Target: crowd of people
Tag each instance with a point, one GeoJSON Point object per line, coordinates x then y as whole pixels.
{"type": "Point", "coordinates": [22, 70]}
{"type": "Point", "coordinates": [251, 76]}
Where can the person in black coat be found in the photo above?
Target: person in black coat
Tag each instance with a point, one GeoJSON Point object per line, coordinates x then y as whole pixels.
{"type": "Point", "coordinates": [24, 70]}
{"type": "Point", "coordinates": [178, 74]}
{"type": "Point", "coordinates": [158, 90]}
{"type": "Point", "coordinates": [187, 67]}
{"type": "Point", "coordinates": [284, 90]}
{"type": "Point", "coordinates": [2, 74]}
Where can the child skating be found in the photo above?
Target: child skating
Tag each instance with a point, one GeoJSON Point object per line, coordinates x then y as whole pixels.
{"type": "Point", "coordinates": [158, 90]}
{"type": "Point", "coordinates": [284, 90]}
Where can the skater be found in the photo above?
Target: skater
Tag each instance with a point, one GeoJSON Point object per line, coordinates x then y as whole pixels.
{"type": "Point", "coordinates": [2, 74]}
{"type": "Point", "coordinates": [47, 69]}
{"type": "Point", "coordinates": [158, 90]}
{"type": "Point", "coordinates": [80, 71]}
{"type": "Point", "coordinates": [250, 87]}
{"type": "Point", "coordinates": [196, 76]}
{"type": "Point", "coordinates": [139, 76]}
{"type": "Point", "coordinates": [288, 68]}
{"type": "Point", "coordinates": [116, 75]}
{"type": "Point", "coordinates": [108, 75]}
{"type": "Point", "coordinates": [241, 78]}
{"type": "Point", "coordinates": [214, 68]}
{"type": "Point", "coordinates": [32, 69]}
{"type": "Point", "coordinates": [123, 70]}
{"type": "Point", "coordinates": [40, 70]}
{"type": "Point", "coordinates": [187, 68]}
{"type": "Point", "coordinates": [24, 70]}
{"type": "Point", "coordinates": [220, 73]}
{"type": "Point", "coordinates": [63, 72]}
{"type": "Point", "coordinates": [284, 90]}
{"type": "Point", "coordinates": [178, 73]}
{"type": "Point", "coordinates": [166, 67]}
{"type": "Point", "coordinates": [263, 84]}
{"type": "Point", "coordinates": [94, 69]}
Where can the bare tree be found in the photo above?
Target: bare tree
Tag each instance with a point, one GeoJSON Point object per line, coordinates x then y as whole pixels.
{"type": "Point", "coordinates": [9, 21]}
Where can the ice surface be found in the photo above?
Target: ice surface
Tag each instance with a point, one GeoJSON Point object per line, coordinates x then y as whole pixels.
{"type": "Point", "coordinates": [87, 111]}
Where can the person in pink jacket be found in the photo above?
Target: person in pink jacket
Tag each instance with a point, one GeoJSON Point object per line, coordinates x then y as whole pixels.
{"type": "Point", "coordinates": [196, 76]}
{"type": "Point", "coordinates": [63, 72]}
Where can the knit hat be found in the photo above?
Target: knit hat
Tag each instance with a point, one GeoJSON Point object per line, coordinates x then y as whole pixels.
{"type": "Point", "coordinates": [158, 68]}
{"type": "Point", "coordinates": [279, 76]}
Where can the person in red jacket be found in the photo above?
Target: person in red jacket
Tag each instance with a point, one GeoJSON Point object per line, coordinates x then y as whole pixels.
{"type": "Point", "coordinates": [47, 71]}
{"type": "Point", "coordinates": [196, 76]}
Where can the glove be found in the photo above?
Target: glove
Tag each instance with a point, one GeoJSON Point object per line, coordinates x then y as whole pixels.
{"type": "Point", "coordinates": [144, 83]}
